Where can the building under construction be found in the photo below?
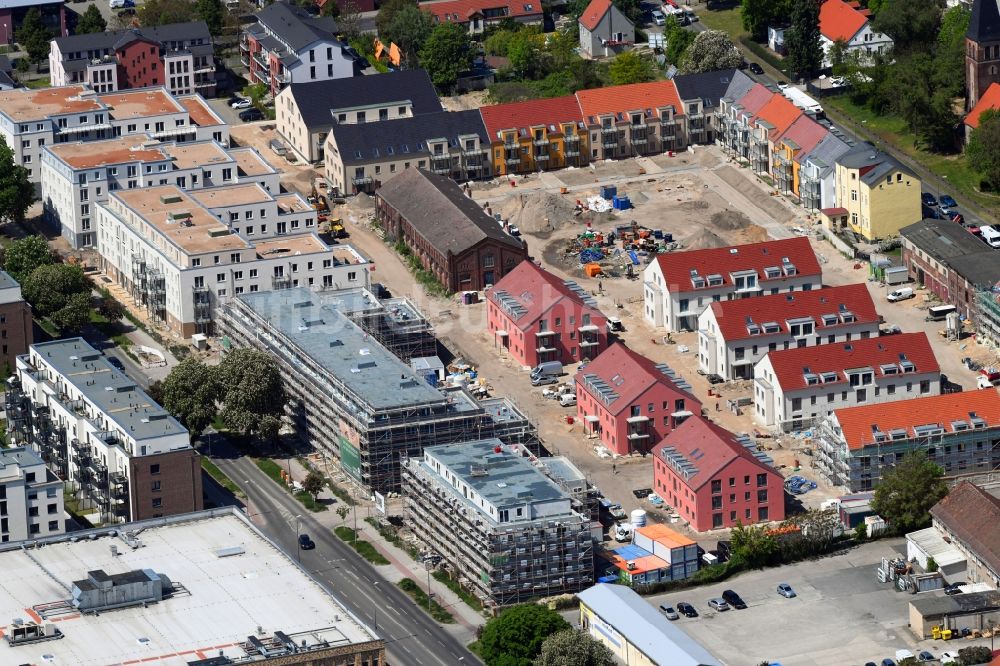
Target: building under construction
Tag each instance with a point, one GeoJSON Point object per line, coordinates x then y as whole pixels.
{"type": "Point", "coordinates": [508, 531]}
{"type": "Point", "coordinates": [349, 396]}
{"type": "Point", "coordinates": [958, 431]}
{"type": "Point", "coordinates": [395, 323]}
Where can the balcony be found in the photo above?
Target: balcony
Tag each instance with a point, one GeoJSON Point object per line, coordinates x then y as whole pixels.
{"type": "Point", "coordinates": [541, 141]}
{"type": "Point", "coordinates": [441, 164]}
{"type": "Point", "coordinates": [639, 134]}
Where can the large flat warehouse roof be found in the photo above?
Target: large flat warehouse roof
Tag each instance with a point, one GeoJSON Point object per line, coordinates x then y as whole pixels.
{"type": "Point", "coordinates": [223, 599]}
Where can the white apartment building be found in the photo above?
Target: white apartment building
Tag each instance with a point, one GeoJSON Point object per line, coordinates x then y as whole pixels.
{"type": "Point", "coordinates": [183, 253]}
{"type": "Point", "coordinates": [32, 119]}
{"type": "Point", "coordinates": [121, 454]}
{"type": "Point", "coordinates": [678, 287]}
{"type": "Point", "coordinates": [734, 335]}
{"type": "Point", "coordinates": [795, 388]}
{"type": "Point", "coordinates": [31, 497]}
{"type": "Point", "coordinates": [76, 176]}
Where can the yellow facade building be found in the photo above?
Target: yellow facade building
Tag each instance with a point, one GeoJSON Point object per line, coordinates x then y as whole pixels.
{"type": "Point", "coordinates": [536, 135]}
{"type": "Point", "coordinates": [878, 195]}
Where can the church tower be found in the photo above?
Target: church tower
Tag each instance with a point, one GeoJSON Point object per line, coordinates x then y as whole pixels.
{"type": "Point", "coordinates": [982, 50]}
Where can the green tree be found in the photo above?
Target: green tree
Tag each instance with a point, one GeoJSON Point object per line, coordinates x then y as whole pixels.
{"type": "Point", "coordinates": [446, 54]}
{"type": "Point", "coordinates": [191, 392]}
{"type": "Point", "coordinates": [524, 52]}
{"type": "Point", "coordinates": [753, 545]}
{"type": "Point", "coordinates": [60, 292]}
{"type": "Point", "coordinates": [34, 36]}
{"type": "Point", "coordinates": [92, 21]}
{"type": "Point", "coordinates": [976, 654]}
{"type": "Point", "coordinates": [983, 149]}
{"type": "Point", "coordinates": [572, 647]}
{"type": "Point", "coordinates": [74, 315]}
{"type": "Point", "coordinates": [758, 15]}
{"type": "Point", "coordinates": [213, 13]}
{"type": "Point", "coordinates": [907, 492]}
{"type": "Point", "coordinates": [348, 18]}
{"type": "Point", "coordinates": [253, 394]}
{"type": "Point", "coordinates": [313, 483]}
{"type": "Point", "coordinates": [409, 29]}
{"type": "Point", "coordinates": [25, 255]}
{"type": "Point", "coordinates": [342, 511]}
{"type": "Point", "coordinates": [111, 309]}
{"type": "Point", "coordinates": [923, 102]}
{"type": "Point", "coordinates": [515, 637]}
{"type": "Point", "coordinates": [678, 40]}
{"type": "Point", "coordinates": [164, 12]}
{"type": "Point", "coordinates": [16, 191]}
{"type": "Point", "coordinates": [386, 13]}
{"type": "Point", "coordinates": [630, 67]}
{"type": "Point", "coordinates": [803, 51]}
{"type": "Point", "coordinates": [711, 50]}
{"type": "Point", "coordinates": [912, 24]}
{"type": "Point", "coordinates": [949, 60]}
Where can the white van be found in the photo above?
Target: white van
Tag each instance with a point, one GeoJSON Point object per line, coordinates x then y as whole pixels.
{"type": "Point", "coordinates": [990, 235]}
{"type": "Point", "coordinates": [567, 400]}
{"type": "Point", "coordinates": [900, 294]}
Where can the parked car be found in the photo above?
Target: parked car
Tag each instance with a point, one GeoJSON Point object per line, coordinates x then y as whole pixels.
{"type": "Point", "coordinates": [715, 379]}
{"type": "Point", "coordinates": [949, 657]}
{"type": "Point", "coordinates": [659, 18]}
{"type": "Point", "coordinates": [947, 201]}
{"type": "Point", "coordinates": [251, 115]}
{"type": "Point", "coordinates": [686, 609]}
{"type": "Point", "coordinates": [900, 294]}
{"type": "Point", "coordinates": [756, 69]}
{"type": "Point", "coordinates": [241, 103]}
{"type": "Point", "coordinates": [926, 656]}
{"type": "Point", "coordinates": [305, 543]}
{"type": "Point", "coordinates": [116, 363]}
{"type": "Point", "coordinates": [669, 612]}
{"type": "Point", "coordinates": [928, 199]}
{"type": "Point", "coordinates": [956, 588]}
{"type": "Point", "coordinates": [888, 662]}
{"type": "Point", "coordinates": [734, 600]}
{"type": "Point", "coordinates": [718, 604]}
{"type": "Point", "coordinates": [785, 590]}
{"type": "Point", "coordinates": [904, 654]}
{"type": "Point", "coordinates": [121, 4]}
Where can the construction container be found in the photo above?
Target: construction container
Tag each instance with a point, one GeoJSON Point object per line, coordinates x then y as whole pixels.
{"type": "Point", "coordinates": [638, 517]}
{"type": "Point", "coordinates": [621, 202]}
{"type": "Point", "coordinates": [608, 191]}
{"type": "Point", "coordinates": [592, 270]}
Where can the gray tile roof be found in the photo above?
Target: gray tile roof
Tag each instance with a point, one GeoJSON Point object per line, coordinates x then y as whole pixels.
{"type": "Point", "coordinates": [172, 32]}
{"type": "Point", "coordinates": [295, 26]}
{"type": "Point", "coordinates": [952, 245]}
{"type": "Point", "coordinates": [827, 151]}
{"type": "Point", "coordinates": [439, 211]}
{"type": "Point", "coordinates": [316, 99]}
{"type": "Point", "coordinates": [972, 515]}
{"type": "Point", "coordinates": [984, 24]}
{"type": "Point", "coordinates": [368, 142]}
{"type": "Point", "coordinates": [712, 86]}
{"type": "Point", "coordinates": [662, 642]}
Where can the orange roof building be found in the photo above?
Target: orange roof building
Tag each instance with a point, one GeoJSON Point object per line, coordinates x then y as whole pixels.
{"type": "Point", "coordinates": [846, 21]}
{"type": "Point", "coordinates": [956, 430]}
{"type": "Point", "coordinates": [479, 14]}
{"type": "Point", "coordinates": [989, 101]}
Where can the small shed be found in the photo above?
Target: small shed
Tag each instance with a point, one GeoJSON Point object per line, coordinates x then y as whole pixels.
{"type": "Point", "coordinates": [429, 367]}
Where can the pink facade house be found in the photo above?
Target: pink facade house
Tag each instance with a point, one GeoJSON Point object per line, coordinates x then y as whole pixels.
{"type": "Point", "coordinates": [630, 402]}
{"type": "Point", "coordinates": [536, 316]}
{"type": "Point", "coordinates": [714, 479]}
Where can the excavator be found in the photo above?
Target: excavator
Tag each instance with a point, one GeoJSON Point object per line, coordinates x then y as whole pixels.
{"type": "Point", "coordinates": [335, 226]}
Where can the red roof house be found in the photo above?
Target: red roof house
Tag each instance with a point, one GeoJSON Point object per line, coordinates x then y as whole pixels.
{"type": "Point", "coordinates": [679, 286]}
{"type": "Point", "coordinates": [839, 20]}
{"type": "Point", "coordinates": [536, 316]}
{"type": "Point", "coordinates": [714, 479]}
{"type": "Point", "coordinates": [530, 113]}
{"type": "Point", "coordinates": [478, 14]}
{"type": "Point", "coordinates": [630, 402]}
{"type": "Point", "coordinates": [989, 101]}
{"type": "Point", "coordinates": [631, 97]}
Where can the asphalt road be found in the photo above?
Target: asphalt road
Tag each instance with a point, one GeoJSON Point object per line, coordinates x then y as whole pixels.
{"type": "Point", "coordinates": [411, 636]}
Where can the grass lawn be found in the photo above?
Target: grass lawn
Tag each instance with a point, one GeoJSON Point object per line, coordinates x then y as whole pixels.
{"type": "Point", "coordinates": [220, 476]}
{"type": "Point", "coordinates": [409, 586]}
{"type": "Point", "coordinates": [364, 548]}
{"type": "Point", "coordinates": [273, 470]}
{"type": "Point", "coordinates": [892, 130]}
{"type": "Point", "coordinates": [37, 83]}
{"type": "Point", "coordinates": [471, 600]}
{"type": "Point", "coordinates": [727, 20]}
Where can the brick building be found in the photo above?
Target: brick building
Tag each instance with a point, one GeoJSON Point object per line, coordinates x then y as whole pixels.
{"type": "Point", "coordinates": [630, 402]}
{"type": "Point", "coordinates": [536, 316]}
{"type": "Point", "coordinates": [465, 249]}
{"type": "Point", "coordinates": [15, 323]}
{"type": "Point", "coordinates": [982, 50]}
{"type": "Point", "coordinates": [714, 479]}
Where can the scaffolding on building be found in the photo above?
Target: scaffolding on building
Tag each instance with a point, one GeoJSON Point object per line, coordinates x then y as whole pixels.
{"type": "Point", "coordinates": [395, 323]}
{"type": "Point", "coordinates": [988, 309]}
{"type": "Point", "coordinates": [149, 288]}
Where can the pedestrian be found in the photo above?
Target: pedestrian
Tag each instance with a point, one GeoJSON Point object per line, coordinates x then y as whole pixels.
{"type": "Point", "coordinates": [614, 468]}
{"type": "Point", "coordinates": [717, 405]}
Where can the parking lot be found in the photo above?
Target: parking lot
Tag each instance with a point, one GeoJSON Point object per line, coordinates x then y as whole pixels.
{"type": "Point", "coordinates": [841, 615]}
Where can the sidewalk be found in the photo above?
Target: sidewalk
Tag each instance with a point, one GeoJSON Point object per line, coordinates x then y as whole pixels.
{"type": "Point", "coordinates": [401, 564]}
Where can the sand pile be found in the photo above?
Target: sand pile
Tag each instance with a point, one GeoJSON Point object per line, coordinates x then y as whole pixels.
{"type": "Point", "coordinates": [730, 220]}
{"type": "Point", "coordinates": [703, 239]}
{"type": "Point", "coordinates": [537, 212]}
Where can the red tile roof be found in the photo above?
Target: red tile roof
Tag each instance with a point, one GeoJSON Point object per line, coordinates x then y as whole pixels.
{"type": "Point", "coordinates": [755, 98]}
{"type": "Point", "coordinates": [629, 374]}
{"type": "Point", "coordinates": [857, 423]}
{"type": "Point", "coordinates": [594, 12]}
{"type": "Point", "coordinates": [532, 113]}
{"type": "Point", "coordinates": [878, 353]}
{"type": "Point", "coordinates": [839, 20]}
{"type": "Point", "coordinates": [676, 267]}
{"type": "Point", "coordinates": [733, 316]}
{"type": "Point", "coordinates": [631, 97]}
{"type": "Point", "coordinates": [708, 447]}
{"type": "Point", "coordinates": [534, 291]}
{"type": "Point", "coordinates": [972, 515]}
{"type": "Point", "coordinates": [460, 11]}
{"type": "Point", "coordinates": [989, 100]}
{"type": "Point", "coordinates": [780, 113]}
{"type": "Point", "coordinates": [806, 133]}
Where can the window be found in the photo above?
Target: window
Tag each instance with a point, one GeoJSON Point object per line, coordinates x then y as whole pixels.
{"type": "Point", "coordinates": [154, 469]}
{"type": "Point", "coordinates": [716, 520]}
{"type": "Point", "coordinates": [157, 502]}
{"type": "Point", "coordinates": [33, 511]}
{"type": "Point", "coordinates": [29, 477]}
{"type": "Point", "coordinates": [717, 502]}
{"type": "Point", "coordinates": [716, 486]}
{"type": "Point", "coordinates": [762, 495]}
{"type": "Point", "coordinates": [52, 509]}
{"type": "Point", "coordinates": [53, 525]}
{"type": "Point", "coordinates": [762, 480]}
{"type": "Point", "coordinates": [220, 277]}
{"type": "Point", "coordinates": [155, 486]}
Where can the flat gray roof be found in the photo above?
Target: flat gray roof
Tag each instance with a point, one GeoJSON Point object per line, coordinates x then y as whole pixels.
{"type": "Point", "coordinates": [6, 281]}
{"type": "Point", "coordinates": [644, 627]}
{"type": "Point", "coordinates": [22, 457]}
{"type": "Point", "coordinates": [504, 479]}
{"type": "Point", "coordinates": [958, 604]}
{"type": "Point", "coordinates": [234, 579]}
{"type": "Point", "coordinates": [313, 322]}
{"type": "Point", "coordinates": [110, 390]}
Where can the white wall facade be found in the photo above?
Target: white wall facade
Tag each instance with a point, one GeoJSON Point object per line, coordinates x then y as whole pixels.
{"type": "Point", "coordinates": [32, 504]}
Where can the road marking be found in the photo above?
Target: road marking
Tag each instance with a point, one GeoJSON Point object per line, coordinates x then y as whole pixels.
{"type": "Point", "coordinates": [393, 609]}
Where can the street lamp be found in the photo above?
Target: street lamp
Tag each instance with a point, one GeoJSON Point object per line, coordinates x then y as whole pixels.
{"type": "Point", "coordinates": [298, 546]}
{"type": "Point", "coordinates": [428, 565]}
{"type": "Point", "coordinates": [375, 604]}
